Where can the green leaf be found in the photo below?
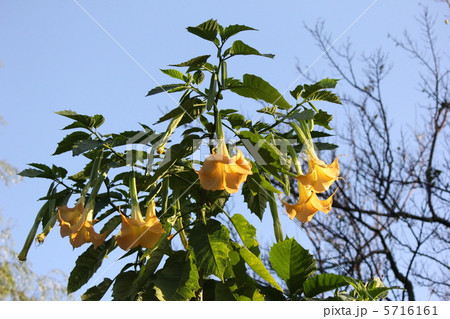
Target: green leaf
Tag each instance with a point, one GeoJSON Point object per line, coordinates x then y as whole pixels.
{"type": "Point", "coordinates": [207, 30]}
{"type": "Point", "coordinates": [297, 92]}
{"type": "Point", "coordinates": [325, 146]}
{"type": "Point", "coordinates": [225, 112]}
{"type": "Point", "coordinates": [233, 290]}
{"type": "Point", "coordinates": [177, 151]}
{"type": "Point", "coordinates": [165, 88]}
{"type": "Point", "coordinates": [341, 296]}
{"type": "Point", "coordinates": [318, 284]}
{"type": "Point", "coordinates": [141, 285]}
{"type": "Point", "coordinates": [31, 172]}
{"type": "Point", "coordinates": [256, 88]}
{"type": "Point", "coordinates": [240, 48]}
{"type": "Point", "coordinates": [236, 267]}
{"type": "Point", "coordinates": [87, 264]}
{"type": "Point", "coordinates": [375, 283]}
{"type": "Point", "coordinates": [98, 120]}
{"type": "Point", "coordinates": [192, 109]}
{"type": "Point", "coordinates": [323, 119]}
{"type": "Point", "coordinates": [44, 171]}
{"type": "Point", "coordinates": [328, 83]}
{"type": "Point", "coordinates": [69, 142]}
{"type": "Point", "coordinates": [210, 244]}
{"type": "Point", "coordinates": [246, 232]}
{"type": "Point", "coordinates": [154, 257]}
{"type": "Point", "coordinates": [257, 266]}
{"type": "Point", "coordinates": [292, 263]}
{"type": "Point", "coordinates": [124, 138]}
{"type": "Point", "coordinates": [231, 30]}
{"type": "Point", "coordinates": [194, 62]}
{"type": "Point", "coordinates": [178, 279]}
{"type": "Point", "coordinates": [174, 74]}
{"type": "Point", "coordinates": [214, 199]}
{"type": "Point", "coordinates": [83, 121]}
{"type": "Point", "coordinates": [315, 92]}
{"type": "Point", "coordinates": [268, 110]}
{"type": "Point", "coordinates": [266, 153]}
{"type": "Point", "coordinates": [323, 84]}
{"type": "Point", "coordinates": [380, 292]}
{"type": "Point", "coordinates": [83, 146]}
{"type": "Point", "coordinates": [111, 224]}
{"type": "Point", "coordinates": [304, 115]}
{"type": "Point", "coordinates": [193, 130]}
{"type": "Point", "coordinates": [255, 196]}
{"type": "Point", "coordinates": [271, 294]}
{"type": "Point", "coordinates": [145, 137]}
{"type": "Point", "coordinates": [324, 96]}
{"type": "Point", "coordinates": [96, 293]}
{"type": "Point", "coordinates": [206, 123]}
{"type": "Point", "coordinates": [122, 288]}
{"type": "Point", "coordinates": [377, 289]}
{"type": "Point", "coordinates": [261, 148]}
{"type": "Point", "coordinates": [198, 77]}
{"type": "Point", "coordinates": [58, 171]}
{"type": "Point", "coordinates": [209, 286]}
{"type": "Point", "coordinates": [236, 120]}
{"type": "Point", "coordinates": [318, 134]}
{"type": "Point", "coordinates": [91, 122]}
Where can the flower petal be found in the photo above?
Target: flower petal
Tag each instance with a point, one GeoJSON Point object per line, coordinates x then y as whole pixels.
{"type": "Point", "coordinates": [87, 234]}
{"type": "Point", "coordinates": [320, 176]}
{"type": "Point", "coordinates": [308, 205]}
{"type": "Point", "coordinates": [133, 234]}
{"type": "Point", "coordinates": [211, 175]}
{"type": "Point", "coordinates": [69, 217]}
{"type": "Point", "coordinates": [233, 180]}
{"type": "Point", "coordinates": [219, 172]}
{"type": "Point", "coordinates": [303, 212]}
{"type": "Point", "coordinates": [78, 224]}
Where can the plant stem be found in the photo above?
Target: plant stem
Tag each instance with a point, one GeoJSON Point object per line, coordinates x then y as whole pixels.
{"type": "Point", "coordinates": [276, 220]}
{"type": "Point", "coordinates": [179, 223]}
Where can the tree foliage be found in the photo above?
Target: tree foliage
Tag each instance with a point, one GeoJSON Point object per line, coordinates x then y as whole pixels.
{"type": "Point", "coordinates": [179, 249]}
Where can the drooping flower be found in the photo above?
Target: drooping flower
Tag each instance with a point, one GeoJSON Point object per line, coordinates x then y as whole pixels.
{"type": "Point", "coordinates": [222, 172]}
{"type": "Point", "coordinates": [308, 205]}
{"type": "Point", "coordinates": [136, 231]}
{"type": "Point", "coordinates": [320, 175]}
{"type": "Point", "coordinates": [77, 223]}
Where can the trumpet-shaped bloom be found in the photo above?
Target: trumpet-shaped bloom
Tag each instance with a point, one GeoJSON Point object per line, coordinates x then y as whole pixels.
{"type": "Point", "coordinates": [222, 172]}
{"type": "Point", "coordinates": [308, 205]}
{"type": "Point", "coordinates": [320, 175]}
{"type": "Point", "coordinates": [77, 223]}
{"type": "Point", "coordinates": [136, 231]}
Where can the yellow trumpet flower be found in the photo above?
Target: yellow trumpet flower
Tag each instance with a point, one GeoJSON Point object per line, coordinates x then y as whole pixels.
{"type": "Point", "coordinates": [136, 231]}
{"type": "Point", "coordinates": [320, 176]}
{"type": "Point", "coordinates": [308, 205]}
{"type": "Point", "coordinates": [77, 223]}
{"type": "Point", "coordinates": [222, 172]}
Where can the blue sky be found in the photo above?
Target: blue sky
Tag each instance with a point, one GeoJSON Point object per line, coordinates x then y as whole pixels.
{"type": "Point", "coordinates": [55, 57]}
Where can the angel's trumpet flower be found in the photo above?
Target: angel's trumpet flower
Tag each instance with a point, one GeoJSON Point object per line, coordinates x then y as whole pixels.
{"type": "Point", "coordinates": [320, 175]}
{"type": "Point", "coordinates": [136, 231]}
{"type": "Point", "coordinates": [308, 205]}
{"type": "Point", "coordinates": [222, 172]}
{"type": "Point", "coordinates": [77, 222]}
